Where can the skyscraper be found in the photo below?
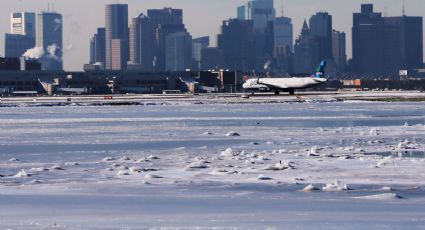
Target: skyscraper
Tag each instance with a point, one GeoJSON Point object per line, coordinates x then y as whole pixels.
{"type": "Point", "coordinates": [283, 44]}
{"type": "Point", "coordinates": [92, 50]}
{"type": "Point", "coordinates": [178, 51]}
{"type": "Point", "coordinates": [116, 36]}
{"type": "Point", "coordinates": [236, 41]}
{"type": "Point", "coordinates": [385, 45]}
{"type": "Point", "coordinates": [339, 50]}
{"type": "Point", "coordinates": [142, 43]}
{"type": "Point", "coordinates": [165, 21]}
{"type": "Point", "coordinates": [97, 48]}
{"type": "Point", "coordinates": [321, 27]}
{"type": "Point", "coordinates": [283, 35]}
{"type": "Point", "coordinates": [23, 23]}
{"type": "Point", "coordinates": [22, 34]}
{"type": "Point", "coordinates": [197, 45]}
{"type": "Point", "coordinates": [262, 14]}
{"type": "Point", "coordinates": [306, 51]}
{"type": "Point", "coordinates": [166, 16]}
{"type": "Point", "coordinates": [49, 37]}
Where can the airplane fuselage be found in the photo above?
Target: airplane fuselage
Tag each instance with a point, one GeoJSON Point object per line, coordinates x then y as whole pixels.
{"type": "Point", "coordinates": [282, 84]}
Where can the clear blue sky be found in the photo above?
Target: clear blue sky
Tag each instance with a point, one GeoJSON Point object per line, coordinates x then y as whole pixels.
{"type": "Point", "coordinates": [202, 17]}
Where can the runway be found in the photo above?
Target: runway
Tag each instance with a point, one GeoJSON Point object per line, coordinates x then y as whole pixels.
{"type": "Point", "coordinates": [134, 99]}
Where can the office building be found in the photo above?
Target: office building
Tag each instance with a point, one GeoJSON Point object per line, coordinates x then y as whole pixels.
{"type": "Point", "coordinates": [237, 41]}
{"type": "Point", "coordinates": [97, 48]}
{"type": "Point", "coordinates": [385, 45]}
{"type": "Point", "coordinates": [166, 16]}
{"type": "Point", "coordinates": [339, 50]}
{"type": "Point", "coordinates": [178, 51]}
{"type": "Point", "coordinates": [116, 36]}
{"type": "Point", "coordinates": [283, 35]}
{"type": "Point", "coordinates": [22, 34]}
{"type": "Point", "coordinates": [211, 58]}
{"type": "Point", "coordinates": [23, 23]}
{"type": "Point", "coordinates": [261, 12]}
{"type": "Point", "coordinates": [142, 43]}
{"type": "Point", "coordinates": [306, 51]}
{"type": "Point", "coordinates": [49, 38]}
{"type": "Point", "coordinates": [198, 44]}
{"type": "Point", "coordinates": [16, 44]}
{"type": "Point", "coordinates": [321, 27]}
{"type": "Point", "coordinates": [165, 21]}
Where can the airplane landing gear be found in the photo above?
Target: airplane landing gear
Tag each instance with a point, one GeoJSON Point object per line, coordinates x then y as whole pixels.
{"type": "Point", "coordinates": [276, 92]}
{"type": "Point", "coordinates": [291, 92]}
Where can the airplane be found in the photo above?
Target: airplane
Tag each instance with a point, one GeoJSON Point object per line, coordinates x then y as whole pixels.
{"type": "Point", "coordinates": [286, 84]}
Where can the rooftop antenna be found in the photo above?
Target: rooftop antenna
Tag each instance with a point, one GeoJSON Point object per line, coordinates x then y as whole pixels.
{"type": "Point", "coordinates": [282, 10]}
{"type": "Point", "coordinates": [404, 8]}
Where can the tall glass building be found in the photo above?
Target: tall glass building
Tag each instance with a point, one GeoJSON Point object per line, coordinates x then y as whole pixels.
{"type": "Point", "coordinates": [261, 12]}
{"type": "Point", "coordinates": [49, 37]}
{"type": "Point", "coordinates": [116, 36]}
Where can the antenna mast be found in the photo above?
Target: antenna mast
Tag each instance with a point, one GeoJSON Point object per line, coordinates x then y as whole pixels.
{"type": "Point", "coordinates": [404, 8]}
{"type": "Point", "coordinates": [282, 9]}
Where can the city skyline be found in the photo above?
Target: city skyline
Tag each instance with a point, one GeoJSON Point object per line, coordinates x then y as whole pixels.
{"type": "Point", "coordinates": [83, 25]}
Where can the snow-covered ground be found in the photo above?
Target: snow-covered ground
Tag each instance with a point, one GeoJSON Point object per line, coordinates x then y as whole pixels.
{"type": "Point", "coordinates": [334, 165]}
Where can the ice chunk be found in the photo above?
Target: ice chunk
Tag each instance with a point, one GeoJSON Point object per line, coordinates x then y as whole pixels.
{"type": "Point", "coordinates": [135, 170]}
{"type": "Point", "coordinates": [382, 196]}
{"type": "Point", "coordinates": [125, 158]}
{"type": "Point", "coordinates": [373, 132]}
{"type": "Point", "coordinates": [72, 164]}
{"type": "Point", "coordinates": [313, 152]}
{"type": "Point", "coordinates": [310, 188]}
{"type": "Point", "coordinates": [387, 189]}
{"type": "Point", "coordinates": [153, 157]}
{"type": "Point", "coordinates": [56, 167]}
{"type": "Point", "coordinates": [35, 182]}
{"type": "Point", "coordinates": [406, 124]}
{"type": "Point", "coordinates": [232, 134]}
{"type": "Point", "coordinates": [196, 165]}
{"type": "Point", "coordinates": [152, 176]}
{"type": "Point", "coordinates": [219, 172]}
{"type": "Point", "coordinates": [40, 169]}
{"type": "Point", "coordinates": [123, 173]}
{"type": "Point", "coordinates": [141, 160]}
{"type": "Point", "coordinates": [227, 153]}
{"type": "Point", "coordinates": [279, 166]}
{"type": "Point", "coordinates": [336, 186]}
{"type": "Point", "coordinates": [262, 177]}
{"type": "Point", "coordinates": [22, 173]}
{"type": "Point", "coordinates": [108, 159]}
{"type": "Point", "coordinates": [13, 160]}
{"type": "Point", "coordinates": [384, 162]}
{"type": "Point", "coordinates": [207, 133]}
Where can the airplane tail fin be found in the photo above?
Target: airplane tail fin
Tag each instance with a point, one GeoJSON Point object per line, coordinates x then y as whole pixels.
{"type": "Point", "coordinates": [320, 72]}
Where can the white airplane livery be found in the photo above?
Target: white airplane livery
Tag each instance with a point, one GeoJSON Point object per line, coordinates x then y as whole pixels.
{"type": "Point", "coordinates": [286, 84]}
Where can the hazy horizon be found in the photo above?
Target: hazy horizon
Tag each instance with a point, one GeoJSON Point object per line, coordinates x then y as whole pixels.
{"type": "Point", "coordinates": [202, 17]}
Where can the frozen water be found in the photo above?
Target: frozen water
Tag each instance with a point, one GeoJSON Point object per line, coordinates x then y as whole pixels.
{"type": "Point", "coordinates": [137, 165]}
